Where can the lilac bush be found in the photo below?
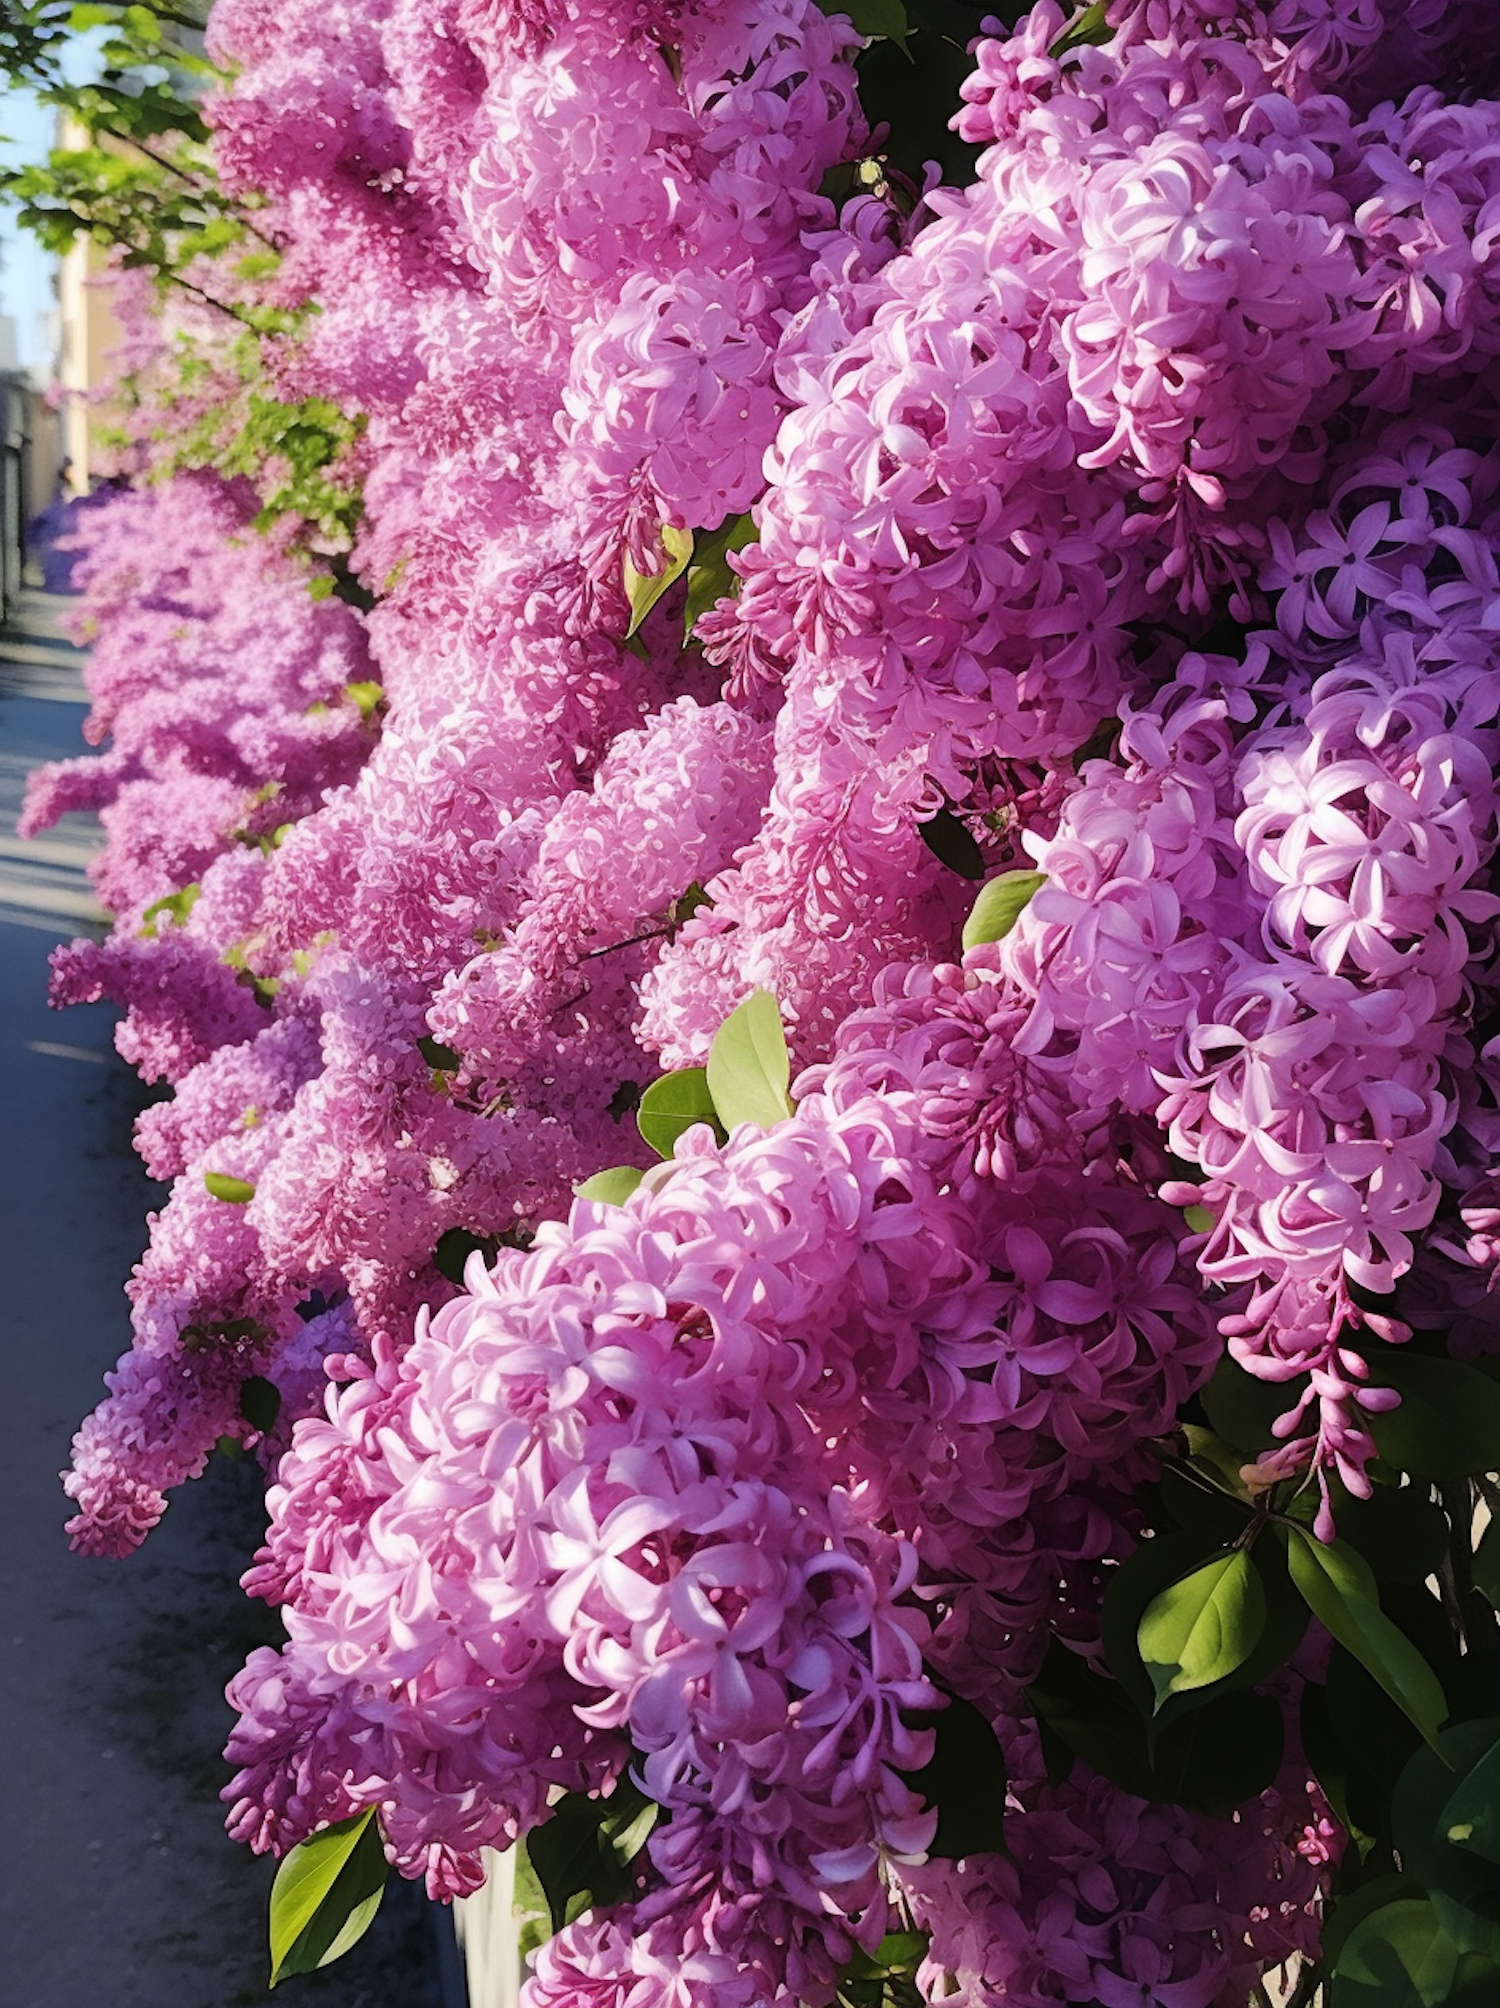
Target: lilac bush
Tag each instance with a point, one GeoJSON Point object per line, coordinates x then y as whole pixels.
{"type": "Point", "coordinates": [1034, 635]}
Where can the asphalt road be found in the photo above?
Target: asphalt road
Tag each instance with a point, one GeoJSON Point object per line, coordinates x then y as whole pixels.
{"type": "Point", "coordinates": [118, 1886]}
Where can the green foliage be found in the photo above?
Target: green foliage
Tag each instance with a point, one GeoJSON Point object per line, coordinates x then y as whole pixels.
{"type": "Point", "coordinates": [171, 911]}
{"type": "Point", "coordinates": [671, 1106]}
{"type": "Point", "coordinates": [582, 1854]}
{"type": "Point", "coordinates": [1213, 1758]}
{"type": "Point", "coordinates": [325, 1896]}
{"type": "Point", "coordinates": [1399, 1531]}
{"type": "Point", "coordinates": [1444, 1801]}
{"type": "Point", "coordinates": [965, 1778]}
{"type": "Point", "coordinates": [749, 1068]}
{"type": "Point", "coordinates": [951, 844]}
{"type": "Point", "coordinates": [709, 577]}
{"type": "Point", "coordinates": [1339, 1589]}
{"type": "Point", "coordinates": [644, 589]}
{"type": "Point", "coordinates": [1401, 1957]}
{"type": "Point", "coordinates": [1089, 25]}
{"type": "Point", "coordinates": [1242, 1409]}
{"type": "Point", "coordinates": [233, 1191]}
{"type": "Point", "coordinates": [1448, 1424]}
{"type": "Point", "coordinates": [260, 1402]}
{"type": "Point", "coordinates": [451, 1255]}
{"type": "Point", "coordinates": [612, 1187]}
{"type": "Point", "coordinates": [886, 1977]}
{"type": "Point", "coordinates": [298, 456]}
{"type": "Point", "coordinates": [909, 84]}
{"type": "Point", "coordinates": [1203, 1627]}
{"type": "Point", "coordinates": [1000, 905]}
{"type": "Point", "coordinates": [140, 181]}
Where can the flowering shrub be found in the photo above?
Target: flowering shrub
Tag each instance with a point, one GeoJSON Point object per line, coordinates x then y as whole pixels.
{"type": "Point", "coordinates": [910, 1536]}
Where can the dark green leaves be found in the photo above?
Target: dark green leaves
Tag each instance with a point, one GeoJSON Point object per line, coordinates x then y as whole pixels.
{"type": "Point", "coordinates": [233, 1191]}
{"type": "Point", "coordinates": [1471, 1818]}
{"type": "Point", "coordinates": [1089, 25]}
{"type": "Point", "coordinates": [451, 1255]}
{"type": "Point", "coordinates": [749, 1068]}
{"type": "Point", "coordinates": [1214, 1758]}
{"type": "Point", "coordinates": [260, 1402]}
{"type": "Point", "coordinates": [1445, 1800]}
{"type": "Point", "coordinates": [912, 86]}
{"type": "Point", "coordinates": [874, 18]}
{"type": "Point", "coordinates": [886, 1977]}
{"type": "Point", "coordinates": [582, 1853]}
{"type": "Point", "coordinates": [1399, 1531]}
{"type": "Point", "coordinates": [1203, 1627]}
{"type": "Point", "coordinates": [1000, 905]}
{"type": "Point", "coordinates": [709, 578]}
{"type": "Point", "coordinates": [325, 1896]}
{"type": "Point", "coordinates": [1401, 1957]}
{"type": "Point", "coordinates": [612, 1187]}
{"type": "Point", "coordinates": [1448, 1424]}
{"type": "Point", "coordinates": [966, 1780]}
{"type": "Point", "coordinates": [951, 844]}
{"type": "Point", "coordinates": [1242, 1409]}
{"type": "Point", "coordinates": [644, 589]}
{"type": "Point", "coordinates": [671, 1106]}
{"type": "Point", "coordinates": [1340, 1591]}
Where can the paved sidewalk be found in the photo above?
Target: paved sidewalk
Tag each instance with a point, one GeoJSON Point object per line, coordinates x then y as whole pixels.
{"type": "Point", "coordinates": [118, 1887]}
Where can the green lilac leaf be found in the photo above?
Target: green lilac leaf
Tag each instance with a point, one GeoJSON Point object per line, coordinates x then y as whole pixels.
{"type": "Point", "coordinates": [1401, 1957]}
{"type": "Point", "coordinates": [1242, 1408]}
{"type": "Point", "coordinates": [613, 1187]}
{"type": "Point", "coordinates": [260, 1402]}
{"type": "Point", "coordinates": [1463, 1884]}
{"type": "Point", "coordinates": [952, 844]}
{"type": "Point", "coordinates": [966, 1780]}
{"type": "Point", "coordinates": [671, 1106]}
{"type": "Point", "coordinates": [529, 1907]}
{"type": "Point", "coordinates": [1471, 1818]}
{"type": "Point", "coordinates": [1000, 905]}
{"type": "Point", "coordinates": [875, 17]}
{"type": "Point", "coordinates": [173, 910]}
{"type": "Point", "coordinates": [709, 578]}
{"type": "Point", "coordinates": [581, 1855]}
{"type": "Point", "coordinates": [1339, 1588]}
{"type": "Point", "coordinates": [749, 1068]}
{"type": "Point", "coordinates": [1448, 1424]}
{"type": "Point", "coordinates": [1399, 1531]}
{"type": "Point", "coordinates": [233, 1191]}
{"type": "Point", "coordinates": [451, 1256]}
{"type": "Point", "coordinates": [1204, 1627]}
{"type": "Point", "coordinates": [325, 1896]}
{"type": "Point", "coordinates": [644, 589]}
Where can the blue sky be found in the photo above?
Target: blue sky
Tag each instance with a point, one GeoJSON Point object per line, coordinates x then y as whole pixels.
{"type": "Point", "coordinates": [25, 270]}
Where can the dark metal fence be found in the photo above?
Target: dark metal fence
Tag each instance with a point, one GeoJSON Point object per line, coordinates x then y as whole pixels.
{"type": "Point", "coordinates": [16, 503]}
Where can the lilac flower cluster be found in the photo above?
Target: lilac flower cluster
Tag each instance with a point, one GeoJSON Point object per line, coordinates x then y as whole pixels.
{"type": "Point", "coordinates": [1129, 517]}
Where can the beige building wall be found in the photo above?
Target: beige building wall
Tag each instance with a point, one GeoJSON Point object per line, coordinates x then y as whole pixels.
{"type": "Point", "coordinates": [87, 333]}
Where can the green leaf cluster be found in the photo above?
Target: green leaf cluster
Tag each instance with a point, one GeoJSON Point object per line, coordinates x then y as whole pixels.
{"type": "Point", "coordinates": [325, 1896]}
{"type": "Point", "coordinates": [746, 1081]}
{"type": "Point", "coordinates": [583, 1854]}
